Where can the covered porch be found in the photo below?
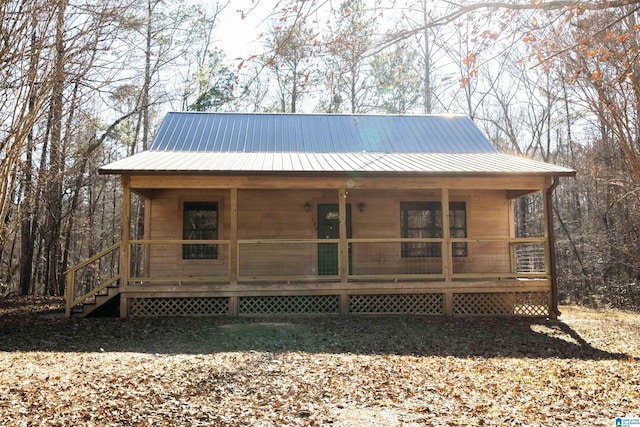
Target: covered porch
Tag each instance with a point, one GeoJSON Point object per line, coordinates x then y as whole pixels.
{"type": "Point", "coordinates": [253, 245]}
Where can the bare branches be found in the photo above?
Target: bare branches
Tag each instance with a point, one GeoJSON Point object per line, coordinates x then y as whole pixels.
{"type": "Point", "coordinates": [25, 87]}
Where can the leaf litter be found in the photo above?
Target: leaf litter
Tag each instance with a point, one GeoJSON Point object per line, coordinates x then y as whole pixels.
{"type": "Point", "coordinates": [314, 371]}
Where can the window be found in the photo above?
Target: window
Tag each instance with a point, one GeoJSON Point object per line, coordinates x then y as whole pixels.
{"type": "Point", "coordinates": [458, 227]}
{"type": "Point", "coordinates": [420, 220]}
{"type": "Point", "coordinates": [200, 222]}
{"type": "Point", "coordinates": [424, 220]}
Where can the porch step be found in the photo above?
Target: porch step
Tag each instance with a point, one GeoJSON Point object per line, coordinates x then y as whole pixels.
{"type": "Point", "coordinates": [105, 304]}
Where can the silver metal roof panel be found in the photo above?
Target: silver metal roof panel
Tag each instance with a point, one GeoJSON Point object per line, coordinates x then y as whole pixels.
{"type": "Point", "coordinates": [319, 133]}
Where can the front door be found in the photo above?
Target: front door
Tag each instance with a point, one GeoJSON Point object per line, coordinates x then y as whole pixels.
{"type": "Point", "coordinates": [329, 228]}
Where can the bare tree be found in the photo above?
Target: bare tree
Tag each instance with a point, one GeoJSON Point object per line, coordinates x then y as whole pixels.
{"type": "Point", "coordinates": [23, 94]}
{"type": "Point", "coordinates": [350, 47]}
{"type": "Point", "coordinates": [290, 58]}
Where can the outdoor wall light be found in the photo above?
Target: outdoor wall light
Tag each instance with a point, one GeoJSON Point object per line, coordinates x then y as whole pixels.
{"type": "Point", "coordinates": [361, 206]}
{"type": "Point", "coordinates": [307, 207]}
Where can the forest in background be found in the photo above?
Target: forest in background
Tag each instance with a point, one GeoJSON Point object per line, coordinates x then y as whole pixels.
{"type": "Point", "coordinates": [86, 82]}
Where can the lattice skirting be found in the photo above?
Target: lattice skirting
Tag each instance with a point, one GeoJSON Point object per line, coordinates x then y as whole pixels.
{"type": "Point", "coordinates": [290, 304]}
{"type": "Point", "coordinates": [397, 304]}
{"type": "Point", "coordinates": [501, 303]}
{"type": "Point", "coordinates": [191, 306]}
{"type": "Point", "coordinates": [534, 304]}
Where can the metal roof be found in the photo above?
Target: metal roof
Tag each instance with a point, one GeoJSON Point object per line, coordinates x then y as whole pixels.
{"type": "Point", "coordinates": [304, 143]}
{"type": "Point", "coordinates": [296, 162]}
{"type": "Point", "coordinates": [319, 133]}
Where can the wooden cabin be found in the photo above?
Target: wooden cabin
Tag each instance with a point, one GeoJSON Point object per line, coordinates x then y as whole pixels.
{"type": "Point", "coordinates": [252, 214]}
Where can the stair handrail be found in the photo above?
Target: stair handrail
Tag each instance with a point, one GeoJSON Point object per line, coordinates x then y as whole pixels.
{"type": "Point", "coordinates": [71, 278]}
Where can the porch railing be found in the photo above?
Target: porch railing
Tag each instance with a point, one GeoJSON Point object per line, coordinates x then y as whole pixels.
{"type": "Point", "coordinates": [317, 260]}
{"type": "Point", "coordinates": [92, 276]}
{"type": "Point", "coordinates": [391, 259]}
{"type": "Point", "coordinates": [506, 258]}
{"type": "Point", "coordinates": [307, 260]}
{"type": "Point", "coordinates": [288, 260]}
{"type": "Point", "coordinates": [310, 260]}
{"type": "Point", "coordinates": [162, 261]}
{"type": "Point", "coordinates": [396, 259]}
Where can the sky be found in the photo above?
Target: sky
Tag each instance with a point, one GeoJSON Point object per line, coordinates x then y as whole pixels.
{"type": "Point", "coordinates": [238, 37]}
{"type": "Point", "coordinates": [242, 22]}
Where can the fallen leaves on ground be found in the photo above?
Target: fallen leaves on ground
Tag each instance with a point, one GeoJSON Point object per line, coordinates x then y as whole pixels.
{"type": "Point", "coordinates": [311, 371]}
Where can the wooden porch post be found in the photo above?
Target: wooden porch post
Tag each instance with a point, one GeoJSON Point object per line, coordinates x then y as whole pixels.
{"type": "Point", "coordinates": [125, 247]}
{"type": "Point", "coordinates": [343, 250]}
{"type": "Point", "coordinates": [550, 248]}
{"type": "Point", "coordinates": [447, 266]}
{"type": "Point", "coordinates": [234, 263]}
{"type": "Point", "coordinates": [545, 204]}
{"type": "Point", "coordinates": [147, 236]}
{"type": "Point", "coordinates": [512, 234]}
{"type": "Point", "coordinates": [233, 237]}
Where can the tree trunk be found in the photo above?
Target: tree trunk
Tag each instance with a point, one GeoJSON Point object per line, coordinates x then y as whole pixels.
{"type": "Point", "coordinates": [151, 4]}
{"type": "Point", "coordinates": [27, 228]}
{"type": "Point", "coordinates": [427, 62]}
{"type": "Point", "coordinates": [54, 193]}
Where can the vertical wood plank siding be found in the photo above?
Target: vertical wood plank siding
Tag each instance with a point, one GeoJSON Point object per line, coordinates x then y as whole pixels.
{"type": "Point", "coordinates": [281, 214]}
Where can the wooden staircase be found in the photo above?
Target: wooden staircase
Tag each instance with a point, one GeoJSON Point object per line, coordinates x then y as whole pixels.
{"type": "Point", "coordinates": [100, 293]}
{"type": "Point", "coordinates": [105, 304]}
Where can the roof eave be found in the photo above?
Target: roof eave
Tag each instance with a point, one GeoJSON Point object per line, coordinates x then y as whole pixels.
{"type": "Point", "coordinates": [460, 174]}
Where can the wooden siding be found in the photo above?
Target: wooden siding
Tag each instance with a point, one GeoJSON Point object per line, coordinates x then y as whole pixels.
{"type": "Point", "coordinates": [281, 214]}
{"type": "Point", "coordinates": [277, 214]}
{"type": "Point", "coordinates": [380, 219]}
{"type": "Point", "coordinates": [487, 218]}
{"type": "Point", "coordinates": [166, 224]}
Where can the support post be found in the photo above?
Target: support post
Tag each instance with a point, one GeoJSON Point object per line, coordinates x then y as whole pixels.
{"type": "Point", "coordinates": [547, 258]}
{"type": "Point", "coordinates": [71, 280]}
{"type": "Point", "coordinates": [234, 265]}
{"type": "Point", "coordinates": [147, 236]}
{"type": "Point", "coordinates": [344, 303]}
{"type": "Point", "coordinates": [125, 248]}
{"type": "Point", "coordinates": [343, 250]}
{"type": "Point", "coordinates": [447, 261]}
{"type": "Point", "coordinates": [234, 305]}
{"type": "Point", "coordinates": [448, 303]}
{"type": "Point", "coordinates": [124, 307]}
{"type": "Point", "coordinates": [513, 264]}
{"type": "Point", "coordinates": [550, 249]}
